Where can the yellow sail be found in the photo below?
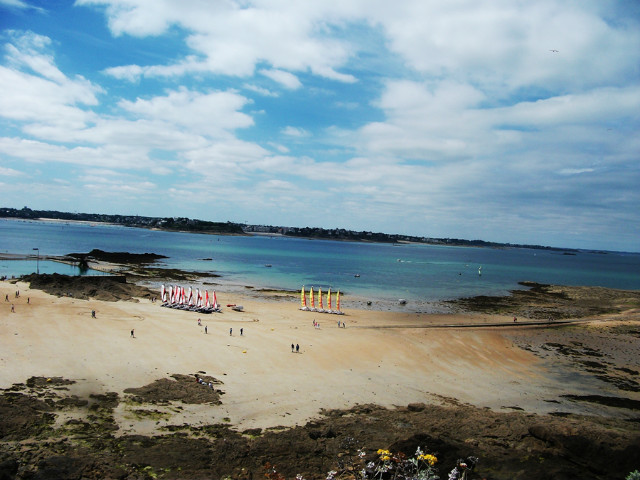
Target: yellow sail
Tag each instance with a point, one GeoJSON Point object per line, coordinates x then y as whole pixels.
{"type": "Point", "coordinates": [303, 298]}
{"type": "Point", "coordinates": [329, 299]}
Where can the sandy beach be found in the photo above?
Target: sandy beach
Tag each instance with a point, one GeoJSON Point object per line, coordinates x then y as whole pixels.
{"type": "Point", "coordinates": [388, 359]}
{"type": "Point", "coordinates": [380, 357]}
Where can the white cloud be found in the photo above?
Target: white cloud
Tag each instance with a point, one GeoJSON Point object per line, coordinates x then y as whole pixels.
{"type": "Point", "coordinates": [232, 39]}
{"type": "Point", "coordinates": [260, 90]}
{"type": "Point", "coordinates": [46, 95]}
{"type": "Point", "coordinates": [10, 172]}
{"type": "Point", "coordinates": [210, 114]}
{"type": "Point", "coordinates": [286, 79]}
{"type": "Point", "coordinates": [20, 4]}
{"type": "Point", "coordinates": [575, 171]}
{"type": "Point", "coordinates": [295, 132]}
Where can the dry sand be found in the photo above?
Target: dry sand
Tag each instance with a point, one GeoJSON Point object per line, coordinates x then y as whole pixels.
{"type": "Point", "coordinates": [265, 384]}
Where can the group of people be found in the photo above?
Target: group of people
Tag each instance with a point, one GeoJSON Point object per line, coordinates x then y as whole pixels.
{"type": "Point", "coordinates": [13, 308]}
{"type": "Point", "coordinates": [206, 330]}
{"type": "Point", "coordinates": [295, 348]}
{"type": "Point", "coordinates": [203, 382]}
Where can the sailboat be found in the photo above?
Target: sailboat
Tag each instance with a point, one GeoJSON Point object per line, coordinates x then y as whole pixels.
{"type": "Point", "coordinates": [303, 300]}
{"type": "Point", "coordinates": [313, 305]}
{"type": "Point", "coordinates": [338, 311]}
{"type": "Point", "coordinates": [320, 307]}
{"type": "Point", "coordinates": [480, 271]}
{"type": "Point", "coordinates": [329, 301]}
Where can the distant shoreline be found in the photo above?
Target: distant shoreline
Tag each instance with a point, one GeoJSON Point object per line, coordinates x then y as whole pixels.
{"type": "Point", "coordinates": [187, 225]}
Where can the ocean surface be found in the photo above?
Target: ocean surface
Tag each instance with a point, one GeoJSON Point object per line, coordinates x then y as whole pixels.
{"type": "Point", "coordinates": [420, 274]}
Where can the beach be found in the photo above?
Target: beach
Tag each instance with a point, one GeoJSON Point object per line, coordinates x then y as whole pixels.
{"type": "Point", "coordinates": [387, 359]}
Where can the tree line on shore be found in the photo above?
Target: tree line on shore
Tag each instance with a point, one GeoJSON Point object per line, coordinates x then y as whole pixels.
{"type": "Point", "coordinates": [184, 224]}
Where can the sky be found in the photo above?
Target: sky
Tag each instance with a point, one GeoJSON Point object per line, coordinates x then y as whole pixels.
{"type": "Point", "coordinates": [508, 121]}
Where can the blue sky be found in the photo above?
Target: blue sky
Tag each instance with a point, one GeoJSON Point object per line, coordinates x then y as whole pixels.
{"type": "Point", "coordinates": [499, 120]}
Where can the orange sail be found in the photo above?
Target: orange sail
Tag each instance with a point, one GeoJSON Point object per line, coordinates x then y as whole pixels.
{"type": "Point", "coordinates": [329, 299]}
{"type": "Point", "coordinates": [320, 299]}
{"type": "Point", "coordinates": [313, 304]}
{"type": "Point", "coordinates": [303, 298]}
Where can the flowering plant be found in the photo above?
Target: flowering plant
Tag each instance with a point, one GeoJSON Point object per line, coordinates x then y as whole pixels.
{"type": "Point", "coordinates": [386, 465]}
{"type": "Point", "coordinates": [462, 468]}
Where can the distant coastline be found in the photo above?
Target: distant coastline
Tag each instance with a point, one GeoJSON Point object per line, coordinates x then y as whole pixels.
{"type": "Point", "coordinates": [183, 224]}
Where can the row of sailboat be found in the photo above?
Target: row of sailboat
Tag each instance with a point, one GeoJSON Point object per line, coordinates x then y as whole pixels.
{"type": "Point", "coordinates": [320, 308]}
{"type": "Point", "coordinates": [175, 296]}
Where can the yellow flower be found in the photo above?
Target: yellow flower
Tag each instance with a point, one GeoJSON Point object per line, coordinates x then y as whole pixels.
{"type": "Point", "coordinates": [430, 459]}
{"type": "Point", "coordinates": [385, 458]}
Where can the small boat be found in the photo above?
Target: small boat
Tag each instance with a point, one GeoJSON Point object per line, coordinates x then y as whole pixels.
{"type": "Point", "coordinates": [357, 275]}
{"type": "Point", "coordinates": [268, 265]}
{"type": "Point", "coordinates": [237, 308]}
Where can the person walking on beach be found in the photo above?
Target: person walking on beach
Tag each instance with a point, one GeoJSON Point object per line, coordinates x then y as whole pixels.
{"type": "Point", "coordinates": [231, 332]}
{"type": "Point", "coordinates": [199, 323]}
{"type": "Point", "coordinates": [13, 310]}
{"type": "Point", "coordinates": [241, 330]}
{"type": "Point", "coordinates": [205, 329]}
{"type": "Point", "coordinates": [133, 334]}
{"type": "Point", "coordinates": [297, 348]}
{"type": "Point", "coordinates": [292, 347]}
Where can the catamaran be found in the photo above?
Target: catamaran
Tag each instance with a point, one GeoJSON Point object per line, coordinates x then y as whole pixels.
{"type": "Point", "coordinates": [177, 297]}
{"type": "Point", "coordinates": [303, 300]}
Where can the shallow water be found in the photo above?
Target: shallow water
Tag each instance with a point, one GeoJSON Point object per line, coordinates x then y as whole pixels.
{"type": "Point", "coordinates": [383, 272]}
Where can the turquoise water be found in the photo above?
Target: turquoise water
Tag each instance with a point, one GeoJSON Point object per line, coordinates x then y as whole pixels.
{"type": "Point", "coordinates": [418, 273]}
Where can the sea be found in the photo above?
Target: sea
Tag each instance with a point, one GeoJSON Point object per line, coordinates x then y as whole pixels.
{"type": "Point", "coordinates": [414, 277]}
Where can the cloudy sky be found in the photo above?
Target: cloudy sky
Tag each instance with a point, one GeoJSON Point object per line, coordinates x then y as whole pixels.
{"type": "Point", "coordinates": [510, 121]}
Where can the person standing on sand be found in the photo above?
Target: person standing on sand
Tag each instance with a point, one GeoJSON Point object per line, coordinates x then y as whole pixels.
{"type": "Point", "coordinates": [13, 310]}
{"type": "Point", "coordinates": [241, 331]}
{"type": "Point", "coordinates": [199, 323]}
{"type": "Point", "coordinates": [205, 329]}
{"type": "Point", "coordinates": [133, 335]}
{"type": "Point", "coordinates": [231, 332]}
{"type": "Point", "coordinates": [292, 347]}
{"type": "Point", "coordinates": [297, 348]}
